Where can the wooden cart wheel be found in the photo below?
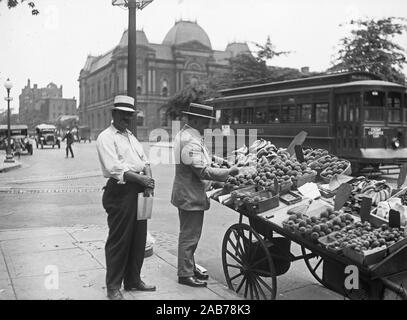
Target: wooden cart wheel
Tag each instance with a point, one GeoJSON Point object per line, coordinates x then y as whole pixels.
{"type": "Point", "coordinates": [315, 265]}
{"type": "Point", "coordinates": [247, 263]}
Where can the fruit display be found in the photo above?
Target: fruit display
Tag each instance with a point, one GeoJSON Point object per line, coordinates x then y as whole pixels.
{"type": "Point", "coordinates": [363, 237]}
{"type": "Point", "coordinates": [377, 190]}
{"type": "Point", "coordinates": [363, 187]}
{"type": "Point", "coordinates": [313, 155]}
{"type": "Point", "coordinates": [262, 144]}
{"type": "Point", "coordinates": [315, 227]}
{"type": "Point", "coordinates": [403, 198]}
{"type": "Point", "coordinates": [218, 162]}
{"type": "Point", "coordinates": [332, 166]}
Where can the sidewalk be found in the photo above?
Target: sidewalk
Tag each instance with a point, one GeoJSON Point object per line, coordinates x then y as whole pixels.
{"type": "Point", "coordinates": [69, 263]}
{"type": "Point", "coordinates": [4, 166]}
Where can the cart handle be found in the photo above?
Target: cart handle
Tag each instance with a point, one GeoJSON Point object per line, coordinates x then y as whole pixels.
{"type": "Point", "coordinates": [396, 288]}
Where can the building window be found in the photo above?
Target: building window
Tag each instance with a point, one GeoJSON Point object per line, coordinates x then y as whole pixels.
{"type": "Point", "coordinates": [140, 119]}
{"type": "Point", "coordinates": [194, 81]}
{"type": "Point", "coordinates": [164, 88]}
{"type": "Point", "coordinates": [139, 88]}
{"type": "Point", "coordinates": [105, 92]}
{"type": "Point", "coordinates": [99, 94]}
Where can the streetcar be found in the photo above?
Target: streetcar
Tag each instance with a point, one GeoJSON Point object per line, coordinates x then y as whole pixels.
{"type": "Point", "coordinates": [354, 115]}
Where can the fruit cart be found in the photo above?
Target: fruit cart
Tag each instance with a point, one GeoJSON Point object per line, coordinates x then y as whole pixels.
{"type": "Point", "coordinates": [256, 252]}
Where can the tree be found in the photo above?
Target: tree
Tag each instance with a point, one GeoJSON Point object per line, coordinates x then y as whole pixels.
{"type": "Point", "coordinates": [196, 93]}
{"type": "Point", "coordinates": [13, 3]}
{"type": "Point", "coordinates": [371, 47]}
{"type": "Point", "coordinates": [247, 69]}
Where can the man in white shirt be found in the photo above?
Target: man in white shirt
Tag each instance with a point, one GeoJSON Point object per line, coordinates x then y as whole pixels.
{"type": "Point", "coordinates": [125, 164]}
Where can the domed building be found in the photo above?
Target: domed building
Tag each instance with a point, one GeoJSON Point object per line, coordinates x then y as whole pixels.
{"type": "Point", "coordinates": [185, 56]}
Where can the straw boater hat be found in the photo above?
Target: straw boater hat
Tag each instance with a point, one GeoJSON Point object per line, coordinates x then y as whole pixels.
{"type": "Point", "coordinates": [200, 110]}
{"type": "Point", "coordinates": [124, 103]}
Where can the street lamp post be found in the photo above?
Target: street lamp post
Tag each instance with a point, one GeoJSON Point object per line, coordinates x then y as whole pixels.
{"type": "Point", "coordinates": [9, 156]}
{"type": "Point", "coordinates": [132, 5]}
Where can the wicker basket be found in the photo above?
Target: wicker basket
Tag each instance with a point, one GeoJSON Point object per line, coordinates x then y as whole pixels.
{"type": "Point", "coordinates": [347, 171]}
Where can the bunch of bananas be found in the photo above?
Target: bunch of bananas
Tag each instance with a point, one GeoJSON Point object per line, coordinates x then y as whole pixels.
{"type": "Point", "coordinates": [377, 190]}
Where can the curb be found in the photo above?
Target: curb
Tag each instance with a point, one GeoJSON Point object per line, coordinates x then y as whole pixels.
{"type": "Point", "coordinates": [10, 167]}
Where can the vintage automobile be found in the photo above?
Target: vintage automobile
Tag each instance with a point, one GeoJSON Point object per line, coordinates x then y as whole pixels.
{"type": "Point", "coordinates": [84, 134]}
{"type": "Point", "coordinates": [46, 135]}
{"type": "Point", "coordinates": [18, 132]}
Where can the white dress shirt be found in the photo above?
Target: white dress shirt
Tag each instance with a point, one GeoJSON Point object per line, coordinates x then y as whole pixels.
{"type": "Point", "coordinates": [119, 152]}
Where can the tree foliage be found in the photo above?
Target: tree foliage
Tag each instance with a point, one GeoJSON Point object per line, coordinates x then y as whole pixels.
{"type": "Point", "coordinates": [248, 68]}
{"type": "Point", "coordinates": [14, 3]}
{"type": "Point", "coordinates": [196, 93]}
{"type": "Point", "coordinates": [371, 47]}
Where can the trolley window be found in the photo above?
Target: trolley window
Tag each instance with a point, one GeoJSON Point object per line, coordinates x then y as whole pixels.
{"type": "Point", "coordinates": [394, 105]}
{"type": "Point", "coordinates": [247, 115]}
{"type": "Point", "coordinates": [274, 114]}
{"type": "Point", "coordinates": [321, 112]}
{"type": "Point", "coordinates": [374, 105]}
{"type": "Point", "coordinates": [260, 115]}
{"type": "Point", "coordinates": [236, 115]}
{"type": "Point", "coordinates": [288, 113]}
{"type": "Point", "coordinates": [226, 116]}
{"type": "Point", "coordinates": [305, 113]}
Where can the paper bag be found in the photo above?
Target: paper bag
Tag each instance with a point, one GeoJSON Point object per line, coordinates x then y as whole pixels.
{"type": "Point", "coordinates": [144, 207]}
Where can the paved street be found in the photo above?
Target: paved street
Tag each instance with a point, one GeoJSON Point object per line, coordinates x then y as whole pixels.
{"type": "Point", "coordinates": [50, 190]}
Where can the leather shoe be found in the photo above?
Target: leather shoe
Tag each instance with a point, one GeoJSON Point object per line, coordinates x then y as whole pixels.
{"type": "Point", "coordinates": [200, 275]}
{"type": "Point", "coordinates": [141, 286]}
{"type": "Point", "coordinates": [114, 294]}
{"type": "Point", "coordinates": [191, 281]}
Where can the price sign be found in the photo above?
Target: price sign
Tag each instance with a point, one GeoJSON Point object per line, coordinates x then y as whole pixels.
{"type": "Point", "coordinates": [365, 208]}
{"type": "Point", "coordinates": [298, 140]}
{"type": "Point", "coordinates": [342, 195]}
{"type": "Point", "coordinates": [394, 219]}
{"type": "Point", "coordinates": [299, 153]}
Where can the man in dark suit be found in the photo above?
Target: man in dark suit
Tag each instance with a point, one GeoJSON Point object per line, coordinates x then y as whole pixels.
{"type": "Point", "coordinates": [192, 172]}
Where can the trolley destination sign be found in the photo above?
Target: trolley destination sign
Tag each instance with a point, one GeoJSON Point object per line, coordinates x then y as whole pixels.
{"type": "Point", "coordinates": [375, 132]}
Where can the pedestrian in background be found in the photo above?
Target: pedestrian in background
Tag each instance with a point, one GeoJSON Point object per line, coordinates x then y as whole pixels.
{"type": "Point", "coordinates": [125, 164]}
{"type": "Point", "coordinates": [192, 170]}
{"type": "Point", "coordinates": [69, 141]}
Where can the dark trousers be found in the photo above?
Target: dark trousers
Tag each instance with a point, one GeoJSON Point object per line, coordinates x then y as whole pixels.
{"type": "Point", "coordinates": [126, 242]}
{"type": "Point", "coordinates": [190, 223]}
{"type": "Point", "coordinates": [69, 147]}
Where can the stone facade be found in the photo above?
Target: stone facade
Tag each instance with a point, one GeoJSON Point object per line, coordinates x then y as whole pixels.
{"type": "Point", "coordinates": [52, 108]}
{"type": "Point", "coordinates": [39, 105]}
{"type": "Point", "coordinates": [185, 56]}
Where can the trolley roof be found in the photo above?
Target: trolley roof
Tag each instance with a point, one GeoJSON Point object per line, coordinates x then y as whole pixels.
{"type": "Point", "coordinates": [373, 83]}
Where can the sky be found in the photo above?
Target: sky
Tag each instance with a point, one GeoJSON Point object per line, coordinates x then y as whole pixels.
{"type": "Point", "coordinates": [53, 46]}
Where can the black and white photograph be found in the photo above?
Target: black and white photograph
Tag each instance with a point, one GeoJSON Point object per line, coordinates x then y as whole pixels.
{"type": "Point", "coordinates": [203, 154]}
